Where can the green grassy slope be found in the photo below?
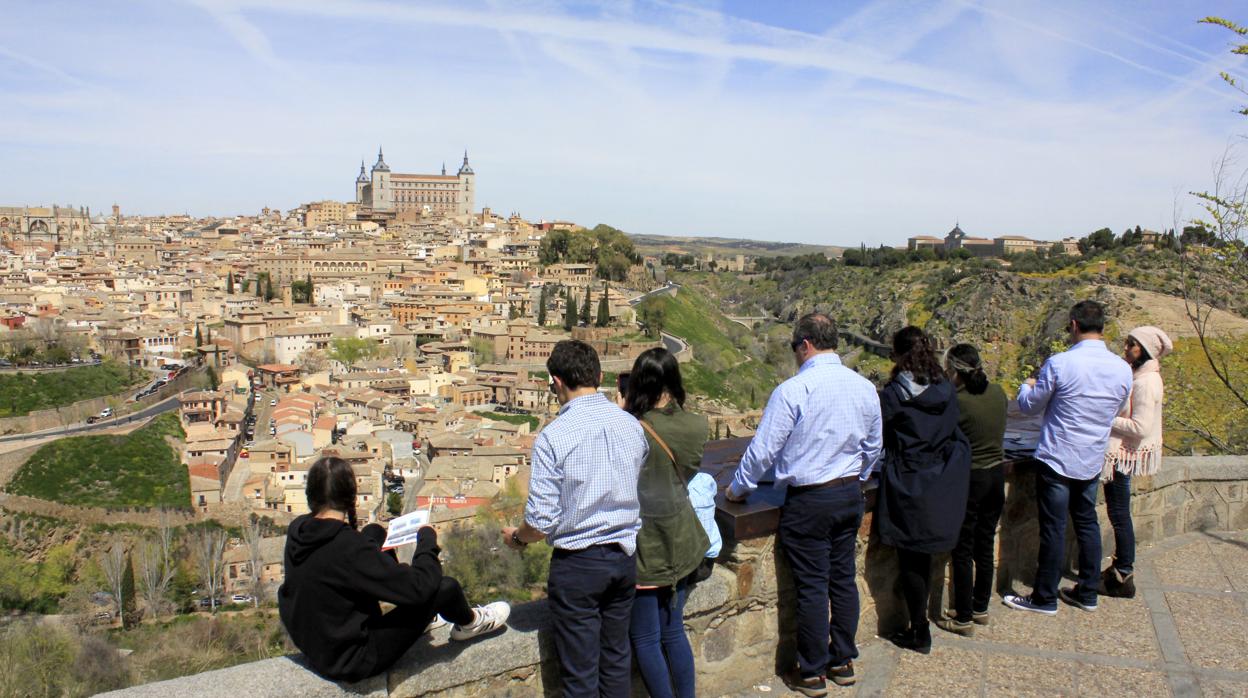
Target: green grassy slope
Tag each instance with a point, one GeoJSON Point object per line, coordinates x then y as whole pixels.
{"type": "Point", "coordinates": [23, 393]}
{"type": "Point", "coordinates": [135, 469]}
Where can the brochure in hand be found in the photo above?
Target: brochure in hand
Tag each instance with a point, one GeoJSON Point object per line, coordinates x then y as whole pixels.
{"type": "Point", "coordinates": [403, 529]}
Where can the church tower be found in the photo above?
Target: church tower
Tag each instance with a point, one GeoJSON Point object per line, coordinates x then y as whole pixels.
{"type": "Point", "coordinates": [382, 194]}
{"type": "Point", "coordinates": [361, 186]}
{"type": "Point", "coordinates": [467, 194]}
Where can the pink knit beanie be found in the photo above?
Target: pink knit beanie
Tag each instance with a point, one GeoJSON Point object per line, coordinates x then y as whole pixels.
{"type": "Point", "coordinates": [1153, 339]}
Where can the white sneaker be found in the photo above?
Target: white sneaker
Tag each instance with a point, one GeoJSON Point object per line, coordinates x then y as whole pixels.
{"type": "Point", "coordinates": [437, 622]}
{"type": "Point", "coordinates": [490, 617]}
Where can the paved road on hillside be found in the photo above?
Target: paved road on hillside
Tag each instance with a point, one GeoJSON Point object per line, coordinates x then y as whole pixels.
{"type": "Point", "coordinates": [167, 405]}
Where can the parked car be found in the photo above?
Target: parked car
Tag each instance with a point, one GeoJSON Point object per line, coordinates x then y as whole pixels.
{"type": "Point", "coordinates": [240, 598]}
{"type": "Point", "coordinates": [92, 419]}
{"type": "Point", "coordinates": [106, 413]}
{"type": "Point", "coordinates": [273, 402]}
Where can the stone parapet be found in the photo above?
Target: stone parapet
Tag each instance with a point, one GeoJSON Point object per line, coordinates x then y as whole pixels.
{"type": "Point", "coordinates": [741, 621]}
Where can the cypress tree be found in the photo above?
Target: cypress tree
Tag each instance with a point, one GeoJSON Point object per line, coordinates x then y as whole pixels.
{"type": "Point", "coordinates": [229, 283]}
{"type": "Point", "coordinates": [268, 288]}
{"type": "Point", "coordinates": [541, 308]}
{"type": "Point", "coordinates": [129, 609]}
{"type": "Point", "coordinates": [604, 309]}
{"type": "Point", "coordinates": [259, 287]}
{"type": "Point", "coordinates": [585, 308]}
{"type": "Point", "coordinates": [308, 286]}
{"type": "Point", "coordinates": [569, 315]}
{"type": "Point", "coordinates": [199, 336]}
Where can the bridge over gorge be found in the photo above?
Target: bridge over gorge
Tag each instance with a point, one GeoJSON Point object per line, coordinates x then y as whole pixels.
{"type": "Point", "coordinates": [1182, 635]}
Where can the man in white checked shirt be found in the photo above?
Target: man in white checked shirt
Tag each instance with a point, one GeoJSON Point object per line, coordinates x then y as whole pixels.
{"type": "Point", "coordinates": [822, 433]}
{"type": "Point", "coordinates": [583, 501]}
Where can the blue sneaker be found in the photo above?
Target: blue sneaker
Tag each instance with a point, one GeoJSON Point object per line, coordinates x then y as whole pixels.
{"type": "Point", "coordinates": [1024, 603]}
{"type": "Point", "coordinates": [1071, 596]}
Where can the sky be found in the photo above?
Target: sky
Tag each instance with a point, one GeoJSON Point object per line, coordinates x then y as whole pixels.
{"type": "Point", "coordinates": [818, 122]}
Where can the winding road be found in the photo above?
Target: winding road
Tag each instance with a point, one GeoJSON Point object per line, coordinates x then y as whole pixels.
{"type": "Point", "coordinates": [167, 405]}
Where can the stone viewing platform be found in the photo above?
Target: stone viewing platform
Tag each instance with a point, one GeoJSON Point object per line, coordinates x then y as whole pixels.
{"type": "Point", "coordinates": [1183, 634]}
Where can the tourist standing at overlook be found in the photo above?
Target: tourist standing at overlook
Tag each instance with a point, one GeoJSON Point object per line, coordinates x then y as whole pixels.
{"type": "Point", "coordinates": [924, 476]}
{"type": "Point", "coordinates": [1134, 449]}
{"type": "Point", "coordinates": [981, 417]}
{"type": "Point", "coordinates": [583, 501]}
{"type": "Point", "coordinates": [672, 543]}
{"type": "Point", "coordinates": [1079, 391]}
{"type": "Point", "coordinates": [335, 577]}
{"type": "Point", "coordinates": [820, 434]}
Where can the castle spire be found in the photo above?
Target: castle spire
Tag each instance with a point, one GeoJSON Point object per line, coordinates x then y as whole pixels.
{"type": "Point", "coordinates": [465, 169]}
{"type": "Point", "coordinates": [381, 161]}
{"type": "Point", "coordinates": [443, 168]}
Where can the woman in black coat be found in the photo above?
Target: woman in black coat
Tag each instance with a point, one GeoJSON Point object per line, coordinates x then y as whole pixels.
{"type": "Point", "coordinates": [925, 476]}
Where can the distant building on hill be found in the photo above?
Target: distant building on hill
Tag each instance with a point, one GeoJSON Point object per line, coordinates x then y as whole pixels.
{"type": "Point", "coordinates": [1002, 246]}
{"type": "Point", "coordinates": [382, 196]}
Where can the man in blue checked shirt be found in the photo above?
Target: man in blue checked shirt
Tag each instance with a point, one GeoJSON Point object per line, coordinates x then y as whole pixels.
{"type": "Point", "coordinates": [1079, 391]}
{"type": "Point", "coordinates": [822, 433]}
{"type": "Point", "coordinates": [583, 501]}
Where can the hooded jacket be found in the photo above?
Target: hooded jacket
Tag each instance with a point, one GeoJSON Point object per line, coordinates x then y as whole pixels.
{"type": "Point", "coordinates": [335, 578]}
{"type": "Point", "coordinates": [927, 466]}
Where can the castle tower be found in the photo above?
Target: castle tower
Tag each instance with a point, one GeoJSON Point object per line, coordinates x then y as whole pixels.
{"type": "Point", "coordinates": [382, 194]}
{"type": "Point", "coordinates": [467, 194]}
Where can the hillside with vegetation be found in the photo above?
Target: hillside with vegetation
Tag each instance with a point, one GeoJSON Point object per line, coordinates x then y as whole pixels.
{"type": "Point", "coordinates": [139, 469]}
{"type": "Point", "coordinates": [1015, 312]}
{"type": "Point", "coordinates": [26, 392]}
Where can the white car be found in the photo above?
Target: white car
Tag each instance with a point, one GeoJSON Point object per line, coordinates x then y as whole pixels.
{"type": "Point", "coordinates": [273, 402]}
{"type": "Point", "coordinates": [240, 598]}
{"type": "Point", "coordinates": [106, 413]}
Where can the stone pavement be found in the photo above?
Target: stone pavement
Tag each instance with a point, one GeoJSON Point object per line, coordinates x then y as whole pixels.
{"type": "Point", "coordinates": [1184, 634]}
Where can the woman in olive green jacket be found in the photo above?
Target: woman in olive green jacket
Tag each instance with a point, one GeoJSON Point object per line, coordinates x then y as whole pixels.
{"type": "Point", "coordinates": [672, 542]}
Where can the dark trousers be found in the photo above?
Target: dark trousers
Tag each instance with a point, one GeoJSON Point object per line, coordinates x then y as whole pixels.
{"type": "Point", "coordinates": [973, 555]}
{"type": "Point", "coordinates": [1057, 496]}
{"type": "Point", "coordinates": [916, 580]}
{"type": "Point", "coordinates": [591, 599]}
{"type": "Point", "coordinates": [393, 633]}
{"type": "Point", "coordinates": [664, 656]}
{"type": "Point", "coordinates": [1118, 506]}
{"type": "Point", "coordinates": [818, 530]}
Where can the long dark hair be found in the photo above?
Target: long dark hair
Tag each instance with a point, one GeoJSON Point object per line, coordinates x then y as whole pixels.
{"type": "Point", "coordinates": [1144, 357]}
{"type": "Point", "coordinates": [331, 485]}
{"type": "Point", "coordinates": [964, 360]}
{"type": "Point", "coordinates": [912, 351]}
{"type": "Point", "coordinates": [654, 371]}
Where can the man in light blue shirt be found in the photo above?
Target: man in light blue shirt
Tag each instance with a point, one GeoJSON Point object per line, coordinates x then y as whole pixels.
{"type": "Point", "coordinates": [1079, 391]}
{"type": "Point", "coordinates": [821, 432]}
{"type": "Point", "coordinates": [583, 501]}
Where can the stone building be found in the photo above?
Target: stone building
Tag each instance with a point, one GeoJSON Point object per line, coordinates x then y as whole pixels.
{"type": "Point", "coordinates": [381, 195]}
{"type": "Point", "coordinates": [28, 227]}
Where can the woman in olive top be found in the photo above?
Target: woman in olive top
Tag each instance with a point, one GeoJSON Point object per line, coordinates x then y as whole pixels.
{"type": "Point", "coordinates": [981, 416]}
{"type": "Point", "coordinates": [672, 542]}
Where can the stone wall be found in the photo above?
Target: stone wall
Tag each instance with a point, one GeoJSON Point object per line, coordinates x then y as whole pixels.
{"type": "Point", "coordinates": [740, 621]}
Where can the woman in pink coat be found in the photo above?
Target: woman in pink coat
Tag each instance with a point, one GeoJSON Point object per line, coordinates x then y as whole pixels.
{"type": "Point", "coordinates": [1134, 449]}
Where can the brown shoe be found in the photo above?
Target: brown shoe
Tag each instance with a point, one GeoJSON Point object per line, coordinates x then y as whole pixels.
{"type": "Point", "coordinates": [957, 627]}
{"type": "Point", "coordinates": [842, 675]}
{"type": "Point", "coordinates": [815, 686]}
{"type": "Point", "coordinates": [977, 617]}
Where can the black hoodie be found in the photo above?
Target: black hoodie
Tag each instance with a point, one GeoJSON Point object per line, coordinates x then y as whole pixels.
{"type": "Point", "coordinates": [926, 469]}
{"type": "Point", "coordinates": [335, 578]}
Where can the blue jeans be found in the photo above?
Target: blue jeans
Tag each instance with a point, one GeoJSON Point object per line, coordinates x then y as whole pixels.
{"type": "Point", "coordinates": [660, 644]}
{"type": "Point", "coordinates": [1118, 506]}
{"type": "Point", "coordinates": [591, 599]}
{"type": "Point", "coordinates": [818, 531]}
{"type": "Point", "coordinates": [1057, 495]}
